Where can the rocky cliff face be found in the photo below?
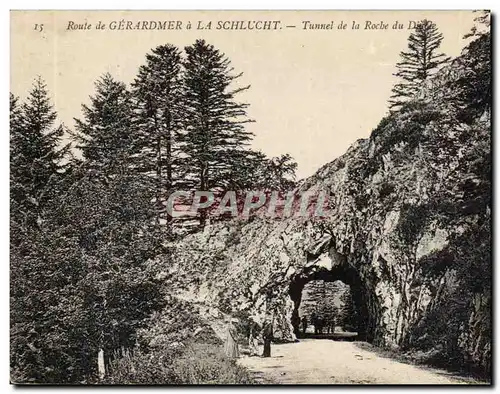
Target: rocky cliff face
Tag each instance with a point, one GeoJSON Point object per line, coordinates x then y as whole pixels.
{"type": "Point", "coordinates": [378, 237]}
{"type": "Point", "coordinates": [398, 232]}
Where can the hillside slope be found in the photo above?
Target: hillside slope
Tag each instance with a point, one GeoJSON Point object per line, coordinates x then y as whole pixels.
{"type": "Point", "coordinates": [408, 229]}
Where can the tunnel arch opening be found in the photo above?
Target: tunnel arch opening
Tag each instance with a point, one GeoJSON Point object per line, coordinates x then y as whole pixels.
{"type": "Point", "coordinates": [327, 309]}
{"type": "Point", "coordinates": [331, 273]}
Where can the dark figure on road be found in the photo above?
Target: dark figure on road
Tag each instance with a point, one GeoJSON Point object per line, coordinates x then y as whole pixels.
{"type": "Point", "coordinates": [331, 325]}
{"type": "Point", "coordinates": [231, 346]}
{"type": "Point", "coordinates": [304, 324]}
{"type": "Point", "coordinates": [296, 323]}
{"type": "Point", "coordinates": [318, 324]}
{"type": "Point", "coordinates": [267, 334]}
{"type": "Point", "coordinates": [314, 322]}
{"type": "Point", "coordinates": [321, 324]}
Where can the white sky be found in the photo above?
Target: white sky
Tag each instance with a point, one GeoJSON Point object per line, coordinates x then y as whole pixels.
{"type": "Point", "coordinates": [313, 93]}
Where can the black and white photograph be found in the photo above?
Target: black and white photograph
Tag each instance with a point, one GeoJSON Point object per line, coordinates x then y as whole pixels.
{"type": "Point", "coordinates": [250, 198]}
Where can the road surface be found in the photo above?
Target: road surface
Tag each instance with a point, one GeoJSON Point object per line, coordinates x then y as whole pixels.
{"type": "Point", "coordinates": [323, 361]}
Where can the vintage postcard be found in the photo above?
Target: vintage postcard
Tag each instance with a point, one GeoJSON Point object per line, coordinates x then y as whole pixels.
{"type": "Point", "coordinates": [250, 197]}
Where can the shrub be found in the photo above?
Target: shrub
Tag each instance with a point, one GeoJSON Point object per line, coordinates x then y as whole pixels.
{"type": "Point", "coordinates": [435, 264]}
{"type": "Point", "coordinates": [143, 368]}
{"type": "Point", "coordinates": [194, 363]}
{"type": "Point", "coordinates": [412, 222]}
{"type": "Point", "coordinates": [386, 189]}
{"type": "Point", "coordinates": [207, 364]}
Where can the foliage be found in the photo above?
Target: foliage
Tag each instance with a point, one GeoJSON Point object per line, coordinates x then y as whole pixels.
{"type": "Point", "coordinates": [408, 127]}
{"type": "Point", "coordinates": [472, 90]}
{"type": "Point", "coordinates": [177, 322]}
{"type": "Point", "coordinates": [386, 189]}
{"type": "Point", "coordinates": [215, 141]}
{"type": "Point", "coordinates": [419, 63]}
{"type": "Point", "coordinates": [277, 173]}
{"type": "Point", "coordinates": [80, 283]}
{"type": "Point", "coordinates": [191, 364]}
{"type": "Point", "coordinates": [104, 135]}
{"type": "Point", "coordinates": [35, 155]}
{"type": "Point", "coordinates": [435, 264]}
{"type": "Point", "coordinates": [413, 219]}
{"type": "Point", "coordinates": [324, 300]}
{"type": "Point", "coordinates": [158, 120]}
{"type": "Point", "coordinates": [348, 313]}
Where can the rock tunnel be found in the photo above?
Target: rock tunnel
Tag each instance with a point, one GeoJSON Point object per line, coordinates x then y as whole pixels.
{"type": "Point", "coordinates": [331, 266]}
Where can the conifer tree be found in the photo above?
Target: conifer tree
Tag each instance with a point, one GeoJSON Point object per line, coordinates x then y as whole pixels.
{"type": "Point", "coordinates": [473, 89]}
{"type": "Point", "coordinates": [18, 182]}
{"type": "Point", "coordinates": [278, 172]}
{"type": "Point", "coordinates": [420, 62]}
{"type": "Point", "coordinates": [36, 167]}
{"type": "Point", "coordinates": [105, 214]}
{"type": "Point", "coordinates": [348, 314]}
{"type": "Point", "coordinates": [36, 153]}
{"type": "Point", "coordinates": [104, 134]}
{"type": "Point", "coordinates": [157, 92]}
{"type": "Point", "coordinates": [216, 141]}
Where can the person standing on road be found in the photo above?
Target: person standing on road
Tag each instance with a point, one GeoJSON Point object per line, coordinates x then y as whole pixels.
{"type": "Point", "coordinates": [231, 347]}
{"type": "Point", "coordinates": [267, 333]}
{"type": "Point", "coordinates": [304, 324]}
{"type": "Point", "coordinates": [253, 343]}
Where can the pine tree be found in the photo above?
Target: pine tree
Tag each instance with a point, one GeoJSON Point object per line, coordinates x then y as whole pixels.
{"type": "Point", "coordinates": [83, 281]}
{"type": "Point", "coordinates": [157, 92]}
{"type": "Point", "coordinates": [348, 314]}
{"type": "Point", "coordinates": [473, 89]}
{"type": "Point", "coordinates": [319, 300]}
{"type": "Point", "coordinates": [19, 178]}
{"type": "Point", "coordinates": [16, 123]}
{"type": "Point", "coordinates": [36, 168]}
{"type": "Point", "coordinates": [278, 173]}
{"type": "Point", "coordinates": [116, 138]}
{"type": "Point", "coordinates": [104, 135]}
{"type": "Point", "coordinates": [215, 143]}
{"type": "Point", "coordinates": [36, 153]}
{"type": "Point", "coordinates": [419, 63]}
{"type": "Point", "coordinates": [108, 222]}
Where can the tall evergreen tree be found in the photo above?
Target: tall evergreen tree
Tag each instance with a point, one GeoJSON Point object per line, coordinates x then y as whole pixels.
{"type": "Point", "coordinates": [115, 138]}
{"type": "Point", "coordinates": [104, 134]}
{"type": "Point", "coordinates": [157, 94]}
{"type": "Point", "coordinates": [473, 89]}
{"type": "Point", "coordinates": [278, 173]}
{"type": "Point", "coordinates": [216, 141]}
{"type": "Point", "coordinates": [320, 298]}
{"type": "Point", "coordinates": [18, 178]}
{"type": "Point", "coordinates": [36, 167]}
{"type": "Point", "coordinates": [36, 153]}
{"type": "Point", "coordinates": [419, 63]}
{"type": "Point", "coordinates": [348, 315]}
{"type": "Point", "coordinates": [83, 281]}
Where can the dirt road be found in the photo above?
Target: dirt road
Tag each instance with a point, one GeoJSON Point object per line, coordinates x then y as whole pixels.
{"type": "Point", "coordinates": [316, 361]}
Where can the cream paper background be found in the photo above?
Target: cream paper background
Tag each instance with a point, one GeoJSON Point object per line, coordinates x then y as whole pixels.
{"type": "Point", "coordinates": [313, 92]}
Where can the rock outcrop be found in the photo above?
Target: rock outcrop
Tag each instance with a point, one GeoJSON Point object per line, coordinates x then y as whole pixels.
{"type": "Point", "coordinates": [379, 231]}
{"type": "Point", "coordinates": [396, 232]}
